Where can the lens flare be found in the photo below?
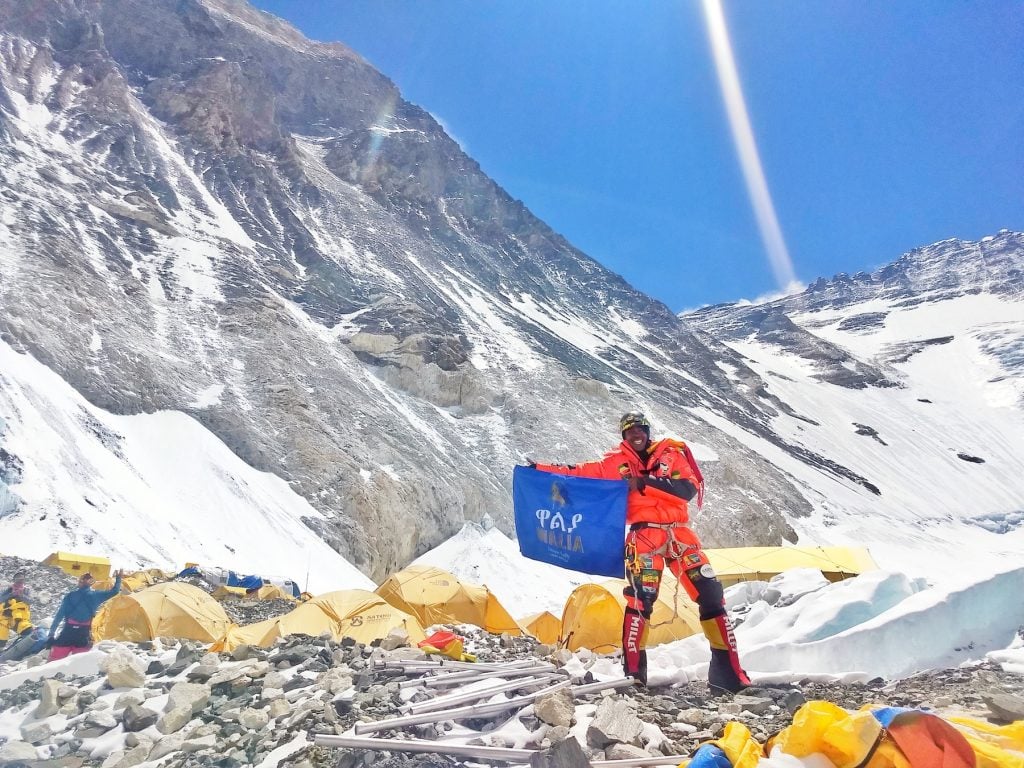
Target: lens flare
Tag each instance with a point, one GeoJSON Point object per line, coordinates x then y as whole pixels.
{"type": "Point", "coordinates": [746, 147]}
{"type": "Point", "coordinates": [379, 131]}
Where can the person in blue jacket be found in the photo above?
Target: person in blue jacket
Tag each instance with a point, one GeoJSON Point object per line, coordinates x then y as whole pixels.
{"type": "Point", "coordinates": [77, 610]}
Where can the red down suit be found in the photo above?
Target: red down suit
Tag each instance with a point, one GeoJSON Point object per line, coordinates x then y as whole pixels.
{"type": "Point", "coordinates": [657, 513]}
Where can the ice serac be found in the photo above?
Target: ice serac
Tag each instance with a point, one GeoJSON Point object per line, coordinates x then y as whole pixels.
{"type": "Point", "coordinates": [203, 211]}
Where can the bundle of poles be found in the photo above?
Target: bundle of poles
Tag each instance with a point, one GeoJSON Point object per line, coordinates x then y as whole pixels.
{"type": "Point", "coordinates": [529, 678]}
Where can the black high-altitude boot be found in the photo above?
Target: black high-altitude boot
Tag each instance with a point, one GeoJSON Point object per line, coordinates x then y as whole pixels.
{"type": "Point", "coordinates": [725, 673]}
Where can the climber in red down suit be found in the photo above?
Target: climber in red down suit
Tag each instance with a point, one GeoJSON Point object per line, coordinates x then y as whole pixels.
{"type": "Point", "coordinates": [663, 477]}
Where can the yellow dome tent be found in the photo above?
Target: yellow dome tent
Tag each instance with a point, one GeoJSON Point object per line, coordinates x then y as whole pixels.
{"type": "Point", "coordinates": [356, 613]}
{"type": "Point", "coordinates": [224, 592]}
{"type": "Point", "coordinates": [762, 563]}
{"type": "Point", "coordinates": [593, 616]}
{"type": "Point", "coordinates": [270, 592]}
{"type": "Point", "coordinates": [266, 592]}
{"type": "Point", "coordinates": [437, 597]}
{"type": "Point", "coordinates": [544, 626]}
{"type": "Point", "coordinates": [164, 610]}
{"type": "Point", "coordinates": [133, 582]}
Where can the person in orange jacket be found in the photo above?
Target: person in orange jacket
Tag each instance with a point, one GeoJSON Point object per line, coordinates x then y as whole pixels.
{"type": "Point", "coordinates": [663, 478]}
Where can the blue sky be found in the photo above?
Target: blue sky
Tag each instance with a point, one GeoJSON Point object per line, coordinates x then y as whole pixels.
{"type": "Point", "coordinates": [881, 125]}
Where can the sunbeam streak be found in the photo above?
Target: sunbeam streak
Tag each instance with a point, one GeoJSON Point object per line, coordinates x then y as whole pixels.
{"type": "Point", "coordinates": [746, 147]}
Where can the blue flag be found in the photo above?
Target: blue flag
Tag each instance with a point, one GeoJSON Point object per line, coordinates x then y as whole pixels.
{"type": "Point", "coordinates": [573, 522]}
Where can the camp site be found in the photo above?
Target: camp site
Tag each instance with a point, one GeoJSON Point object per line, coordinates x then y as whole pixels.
{"type": "Point", "coordinates": [424, 625]}
{"type": "Point", "coordinates": [519, 383]}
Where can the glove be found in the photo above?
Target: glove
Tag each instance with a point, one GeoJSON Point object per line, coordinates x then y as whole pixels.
{"type": "Point", "coordinates": [637, 484]}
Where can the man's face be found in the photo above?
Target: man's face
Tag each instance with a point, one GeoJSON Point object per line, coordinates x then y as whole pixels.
{"type": "Point", "coordinates": [85, 580]}
{"type": "Point", "coordinates": [636, 437]}
{"type": "Point", "coordinates": [18, 586]}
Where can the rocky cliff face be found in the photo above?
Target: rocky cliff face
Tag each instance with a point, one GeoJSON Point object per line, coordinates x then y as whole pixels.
{"type": "Point", "coordinates": [202, 210]}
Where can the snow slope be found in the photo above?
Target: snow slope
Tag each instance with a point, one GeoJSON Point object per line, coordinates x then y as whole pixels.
{"type": "Point", "coordinates": [880, 624]}
{"type": "Point", "coordinates": [150, 489]}
{"type": "Point", "coordinates": [943, 448]}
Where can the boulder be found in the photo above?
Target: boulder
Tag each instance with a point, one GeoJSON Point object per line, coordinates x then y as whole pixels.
{"type": "Point", "coordinates": [279, 708]}
{"type": "Point", "coordinates": [128, 758]}
{"type": "Point", "coordinates": [556, 708]}
{"type": "Point", "coordinates": [200, 743]}
{"type": "Point", "coordinates": [14, 751]}
{"type": "Point", "coordinates": [1005, 707]}
{"type": "Point", "coordinates": [397, 638]}
{"type": "Point", "coordinates": [174, 720]}
{"type": "Point", "coordinates": [167, 745]}
{"type": "Point", "coordinates": [190, 696]}
{"type": "Point", "coordinates": [124, 669]}
{"type": "Point", "coordinates": [624, 752]}
{"type": "Point", "coordinates": [757, 705]}
{"type": "Point", "coordinates": [35, 733]}
{"type": "Point", "coordinates": [49, 699]}
{"type": "Point", "coordinates": [138, 718]}
{"type": "Point", "coordinates": [254, 719]}
{"type": "Point", "coordinates": [565, 754]}
{"type": "Point", "coordinates": [613, 722]}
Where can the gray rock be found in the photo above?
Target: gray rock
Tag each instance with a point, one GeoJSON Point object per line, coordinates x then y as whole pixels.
{"type": "Point", "coordinates": [279, 708]}
{"type": "Point", "coordinates": [258, 670]}
{"type": "Point", "coordinates": [131, 697]}
{"type": "Point", "coordinates": [202, 673]}
{"type": "Point", "coordinates": [304, 710]}
{"type": "Point", "coordinates": [35, 732]}
{"type": "Point", "coordinates": [136, 739]}
{"type": "Point", "coordinates": [565, 754]}
{"type": "Point", "coordinates": [197, 744]}
{"type": "Point", "coordinates": [556, 734]}
{"type": "Point", "coordinates": [624, 752]}
{"type": "Point", "coordinates": [136, 717]}
{"type": "Point", "coordinates": [254, 719]}
{"type": "Point", "coordinates": [124, 670]}
{"type": "Point", "coordinates": [16, 750]}
{"type": "Point", "coordinates": [49, 699]}
{"type": "Point", "coordinates": [557, 708]}
{"type": "Point", "coordinates": [128, 758]}
{"type": "Point", "coordinates": [335, 680]}
{"type": "Point", "coordinates": [101, 719]}
{"type": "Point", "coordinates": [793, 700]}
{"type": "Point", "coordinates": [396, 638]}
{"type": "Point", "coordinates": [167, 745]}
{"type": "Point", "coordinates": [190, 696]}
{"type": "Point", "coordinates": [174, 720]}
{"type": "Point", "coordinates": [692, 716]}
{"type": "Point", "coordinates": [227, 675]}
{"type": "Point", "coordinates": [614, 721]}
{"type": "Point", "coordinates": [274, 679]}
{"type": "Point", "coordinates": [754, 704]}
{"type": "Point", "coordinates": [1006, 707]}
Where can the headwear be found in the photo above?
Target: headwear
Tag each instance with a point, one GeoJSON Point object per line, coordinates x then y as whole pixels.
{"type": "Point", "coordinates": [634, 419]}
{"type": "Point", "coordinates": [19, 576]}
